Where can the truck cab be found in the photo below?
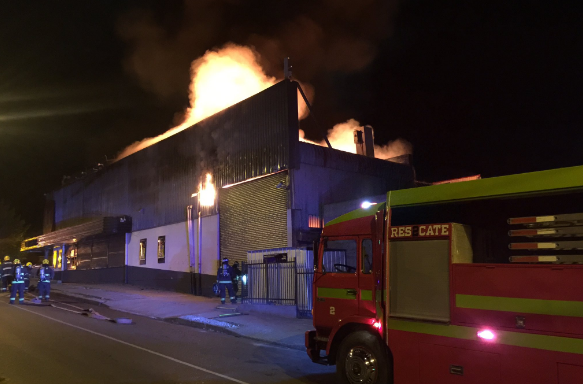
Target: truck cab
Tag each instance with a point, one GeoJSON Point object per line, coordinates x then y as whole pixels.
{"type": "Point", "coordinates": [344, 273]}
{"type": "Point", "coordinates": [475, 282]}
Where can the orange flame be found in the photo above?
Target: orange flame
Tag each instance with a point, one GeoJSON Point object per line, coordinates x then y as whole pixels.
{"type": "Point", "coordinates": [207, 192]}
{"type": "Point", "coordinates": [219, 79]}
{"type": "Point", "coordinates": [223, 78]}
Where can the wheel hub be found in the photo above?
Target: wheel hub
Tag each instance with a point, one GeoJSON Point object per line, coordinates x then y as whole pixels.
{"type": "Point", "coordinates": [361, 366]}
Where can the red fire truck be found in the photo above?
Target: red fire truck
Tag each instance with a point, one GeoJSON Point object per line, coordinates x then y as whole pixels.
{"type": "Point", "coordinates": [472, 282]}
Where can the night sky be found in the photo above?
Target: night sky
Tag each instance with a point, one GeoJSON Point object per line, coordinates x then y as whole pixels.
{"type": "Point", "coordinates": [488, 88]}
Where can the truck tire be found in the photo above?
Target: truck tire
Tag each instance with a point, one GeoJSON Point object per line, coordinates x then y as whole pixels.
{"type": "Point", "coordinates": [358, 349]}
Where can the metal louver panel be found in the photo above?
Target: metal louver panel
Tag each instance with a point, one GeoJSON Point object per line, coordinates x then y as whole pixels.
{"type": "Point", "coordinates": [253, 215]}
{"type": "Point", "coordinates": [116, 251]}
{"type": "Point", "coordinates": [84, 255]}
{"type": "Point", "coordinates": [99, 254]}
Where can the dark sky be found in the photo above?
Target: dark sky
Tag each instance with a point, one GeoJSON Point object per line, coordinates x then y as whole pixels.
{"type": "Point", "coordinates": [476, 86]}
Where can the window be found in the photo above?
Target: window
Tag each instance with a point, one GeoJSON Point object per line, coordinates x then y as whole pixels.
{"type": "Point", "coordinates": [366, 256]}
{"type": "Point", "coordinates": [161, 249]}
{"type": "Point", "coordinates": [315, 222]}
{"type": "Point", "coordinates": [143, 251]}
{"type": "Point", "coordinates": [340, 256]}
{"type": "Point", "coordinates": [72, 259]}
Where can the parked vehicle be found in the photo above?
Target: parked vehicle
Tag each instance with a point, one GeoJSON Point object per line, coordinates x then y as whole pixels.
{"type": "Point", "coordinates": [472, 282]}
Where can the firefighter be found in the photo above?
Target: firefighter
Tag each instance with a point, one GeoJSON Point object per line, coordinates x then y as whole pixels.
{"type": "Point", "coordinates": [45, 274]}
{"type": "Point", "coordinates": [17, 282]}
{"type": "Point", "coordinates": [225, 277]}
{"type": "Point", "coordinates": [27, 273]}
{"type": "Point", "coordinates": [6, 272]}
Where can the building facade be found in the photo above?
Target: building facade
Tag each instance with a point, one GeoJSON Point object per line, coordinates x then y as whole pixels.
{"type": "Point", "coordinates": [270, 192]}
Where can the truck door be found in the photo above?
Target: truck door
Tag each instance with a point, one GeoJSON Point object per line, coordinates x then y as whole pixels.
{"type": "Point", "coordinates": [336, 281]}
{"type": "Point", "coordinates": [366, 305]}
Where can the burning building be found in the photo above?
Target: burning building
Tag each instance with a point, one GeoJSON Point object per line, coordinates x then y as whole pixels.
{"type": "Point", "coordinates": [237, 181]}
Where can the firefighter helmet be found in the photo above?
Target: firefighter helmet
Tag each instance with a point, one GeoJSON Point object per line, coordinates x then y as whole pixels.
{"type": "Point", "coordinates": [6, 258]}
{"type": "Point", "coordinates": [46, 261]}
{"type": "Point", "coordinates": [16, 261]}
{"type": "Point", "coordinates": [225, 260]}
{"type": "Point", "coordinates": [29, 264]}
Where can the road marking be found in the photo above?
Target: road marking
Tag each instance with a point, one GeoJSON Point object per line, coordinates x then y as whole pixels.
{"type": "Point", "coordinates": [137, 347]}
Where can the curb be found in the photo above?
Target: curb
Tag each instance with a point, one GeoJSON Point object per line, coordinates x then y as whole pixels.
{"type": "Point", "coordinates": [83, 298]}
{"type": "Point", "coordinates": [210, 327]}
{"type": "Point", "coordinates": [205, 326]}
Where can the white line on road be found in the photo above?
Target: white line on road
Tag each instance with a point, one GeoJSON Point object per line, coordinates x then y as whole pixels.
{"type": "Point", "coordinates": [137, 347]}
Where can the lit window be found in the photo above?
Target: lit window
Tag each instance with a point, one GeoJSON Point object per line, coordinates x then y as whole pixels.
{"type": "Point", "coordinates": [161, 249]}
{"type": "Point", "coordinates": [143, 251]}
{"type": "Point", "coordinates": [60, 259]}
{"type": "Point", "coordinates": [314, 221]}
{"type": "Point", "coordinates": [72, 259]}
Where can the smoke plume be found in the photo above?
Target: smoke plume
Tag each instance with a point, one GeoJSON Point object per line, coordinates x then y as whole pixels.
{"type": "Point", "coordinates": [219, 79]}
{"type": "Point", "coordinates": [324, 36]}
{"type": "Point", "coordinates": [341, 137]}
{"type": "Point", "coordinates": [329, 37]}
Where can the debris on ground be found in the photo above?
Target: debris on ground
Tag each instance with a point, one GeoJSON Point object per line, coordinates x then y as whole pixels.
{"type": "Point", "coordinates": [226, 308]}
{"type": "Point", "coordinates": [231, 314]}
{"type": "Point", "coordinates": [91, 313]}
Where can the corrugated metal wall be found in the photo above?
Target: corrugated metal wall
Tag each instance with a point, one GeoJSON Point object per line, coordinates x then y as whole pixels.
{"type": "Point", "coordinates": [253, 215]}
{"type": "Point", "coordinates": [154, 186]}
{"type": "Point", "coordinates": [328, 176]}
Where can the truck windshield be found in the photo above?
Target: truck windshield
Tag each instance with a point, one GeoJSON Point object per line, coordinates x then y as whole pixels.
{"type": "Point", "coordinates": [340, 256]}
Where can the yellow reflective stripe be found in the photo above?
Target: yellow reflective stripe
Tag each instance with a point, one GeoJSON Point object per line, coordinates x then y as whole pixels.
{"type": "Point", "coordinates": [517, 339]}
{"type": "Point", "coordinates": [366, 294]}
{"type": "Point", "coordinates": [357, 214]}
{"type": "Point", "coordinates": [334, 293]}
{"type": "Point", "coordinates": [511, 304]}
{"type": "Point", "coordinates": [342, 293]}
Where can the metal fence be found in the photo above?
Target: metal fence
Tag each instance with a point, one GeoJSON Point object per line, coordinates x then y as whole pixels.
{"type": "Point", "coordinates": [282, 283]}
{"type": "Point", "coordinates": [270, 283]}
{"type": "Point", "coordinates": [304, 278]}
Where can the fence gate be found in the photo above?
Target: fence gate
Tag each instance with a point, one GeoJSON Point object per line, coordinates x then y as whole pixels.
{"type": "Point", "coordinates": [282, 283]}
{"type": "Point", "coordinates": [271, 283]}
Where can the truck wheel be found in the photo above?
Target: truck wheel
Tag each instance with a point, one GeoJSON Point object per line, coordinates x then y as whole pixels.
{"type": "Point", "coordinates": [362, 359]}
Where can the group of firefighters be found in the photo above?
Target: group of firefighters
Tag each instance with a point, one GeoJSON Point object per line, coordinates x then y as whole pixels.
{"type": "Point", "coordinates": [16, 277]}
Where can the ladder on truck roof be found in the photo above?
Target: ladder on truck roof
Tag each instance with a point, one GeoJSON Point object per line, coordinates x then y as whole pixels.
{"type": "Point", "coordinates": [543, 229]}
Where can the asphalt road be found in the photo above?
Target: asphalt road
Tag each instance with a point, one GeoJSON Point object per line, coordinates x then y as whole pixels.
{"type": "Point", "coordinates": [49, 345]}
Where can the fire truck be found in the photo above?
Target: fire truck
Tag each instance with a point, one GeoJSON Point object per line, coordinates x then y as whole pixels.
{"type": "Point", "coordinates": [472, 282]}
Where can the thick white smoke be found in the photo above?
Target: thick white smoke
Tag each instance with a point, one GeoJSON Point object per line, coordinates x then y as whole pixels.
{"type": "Point", "coordinates": [341, 137]}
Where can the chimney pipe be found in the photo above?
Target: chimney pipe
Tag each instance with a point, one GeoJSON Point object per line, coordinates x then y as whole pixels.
{"type": "Point", "coordinates": [364, 141]}
{"type": "Point", "coordinates": [368, 141]}
{"type": "Point", "coordinates": [359, 141]}
{"type": "Point", "coordinates": [287, 68]}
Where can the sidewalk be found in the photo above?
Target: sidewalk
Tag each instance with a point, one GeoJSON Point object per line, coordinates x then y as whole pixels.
{"type": "Point", "coordinates": [197, 311]}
